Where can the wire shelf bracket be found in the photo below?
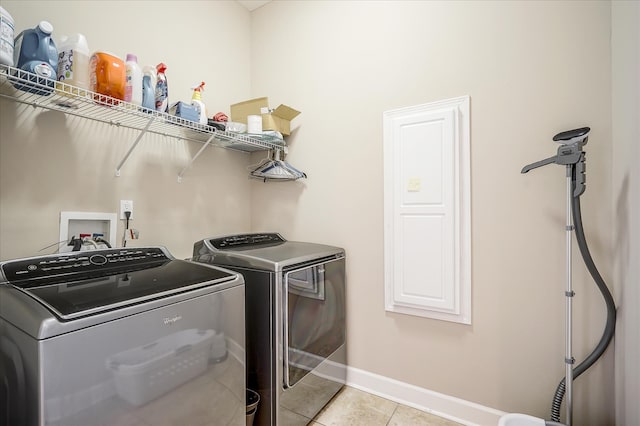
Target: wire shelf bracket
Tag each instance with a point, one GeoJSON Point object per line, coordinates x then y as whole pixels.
{"type": "Point", "coordinates": [181, 174]}
{"type": "Point", "coordinates": [133, 146]}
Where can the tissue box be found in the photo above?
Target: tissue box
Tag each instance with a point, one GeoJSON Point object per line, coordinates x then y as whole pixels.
{"type": "Point", "coordinates": [279, 119]}
{"type": "Point", "coordinates": [186, 111]}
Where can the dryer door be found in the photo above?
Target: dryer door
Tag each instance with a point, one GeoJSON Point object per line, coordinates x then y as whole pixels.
{"type": "Point", "coordinates": [314, 316]}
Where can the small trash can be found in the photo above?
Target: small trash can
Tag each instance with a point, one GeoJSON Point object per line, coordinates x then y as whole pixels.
{"type": "Point", "coordinates": [252, 405]}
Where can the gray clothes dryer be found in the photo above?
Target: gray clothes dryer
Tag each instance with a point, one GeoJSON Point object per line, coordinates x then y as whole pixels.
{"type": "Point", "coordinates": [120, 336]}
{"type": "Point", "coordinates": [295, 321]}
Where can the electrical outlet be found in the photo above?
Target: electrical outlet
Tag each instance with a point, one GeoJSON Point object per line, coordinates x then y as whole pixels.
{"type": "Point", "coordinates": [126, 206]}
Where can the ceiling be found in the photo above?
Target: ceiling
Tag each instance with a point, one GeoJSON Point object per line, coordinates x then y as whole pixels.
{"type": "Point", "coordinates": [253, 4]}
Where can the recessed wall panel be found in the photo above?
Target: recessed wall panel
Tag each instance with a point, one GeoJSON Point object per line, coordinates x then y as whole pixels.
{"type": "Point", "coordinates": [427, 253]}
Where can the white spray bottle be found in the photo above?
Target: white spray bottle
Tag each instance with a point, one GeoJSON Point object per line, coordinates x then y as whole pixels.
{"type": "Point", "coordinates": [196, 100]}
{"type": "Point", "coordinates": [162, 89]}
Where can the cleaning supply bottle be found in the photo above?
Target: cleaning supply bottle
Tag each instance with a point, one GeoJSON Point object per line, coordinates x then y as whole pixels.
{"type": "Point", "coordinates": [196, 100]}
{"type": "Point", "coordinates": [7, 30]}
{"type": "Point", "coordinates": [107, 76]}
{"type": "Point", "coordinates": [162, 89]}
{"type": "Point", "coordinates": [133, 85]}
{"type": "Point", "coordinates": [149, 87]}
{"type": "Point", "coordinates": [73, 63]}
{"type": "Point", "coordinates": [36, 52]}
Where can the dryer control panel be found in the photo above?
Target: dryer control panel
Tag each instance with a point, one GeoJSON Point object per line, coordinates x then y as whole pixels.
{"type": "Point", "coordinates": [246, 240]}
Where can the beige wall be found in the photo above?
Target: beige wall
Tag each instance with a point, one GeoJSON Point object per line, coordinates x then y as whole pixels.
{"type": "Point", "coordinates": [50, 162]}
{"type": "Point", "coordinates": [626, 204]}
{"type": "Point", "coordinates": [532, 69]}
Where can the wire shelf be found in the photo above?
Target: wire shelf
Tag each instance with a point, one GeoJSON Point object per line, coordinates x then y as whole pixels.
{"type": "Point", "coordinates": [31, 89]}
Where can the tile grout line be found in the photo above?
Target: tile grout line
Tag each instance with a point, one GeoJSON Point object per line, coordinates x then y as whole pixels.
{"type": "Point", "coordinates": [392, 414]}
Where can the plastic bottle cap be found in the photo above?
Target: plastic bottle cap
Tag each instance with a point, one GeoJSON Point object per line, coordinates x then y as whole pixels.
{"type": "Point", "coordinates": [45, 27]}
{"type": "Point", "coordinates": [6, 15]}
{"type": "Point", "coordinates": [132, 57]}
{"type": "Point", "coordinates": [150, 71]}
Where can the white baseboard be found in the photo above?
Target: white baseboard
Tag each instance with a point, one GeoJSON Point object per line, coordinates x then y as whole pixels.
{"type": "Point", "coordinates": [449, 407]}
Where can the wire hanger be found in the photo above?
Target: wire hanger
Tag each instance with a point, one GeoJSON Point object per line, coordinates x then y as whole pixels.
{"type": "Point", "coordinates": [276, 169]}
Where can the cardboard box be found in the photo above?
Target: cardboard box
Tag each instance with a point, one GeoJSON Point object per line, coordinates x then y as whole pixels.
{"type": "Point", "coordinates": [279, 119]}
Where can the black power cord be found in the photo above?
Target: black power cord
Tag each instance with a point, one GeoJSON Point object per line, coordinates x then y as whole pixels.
{"type": "Point", "coordinates": [127, 216]}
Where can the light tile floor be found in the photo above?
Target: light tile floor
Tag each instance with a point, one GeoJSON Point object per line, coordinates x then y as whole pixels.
{"type": "Point", "coordinates": [353, 407]}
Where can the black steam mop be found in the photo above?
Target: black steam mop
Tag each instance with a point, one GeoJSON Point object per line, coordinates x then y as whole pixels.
{"type": "Point", "coordinates": [571, 155]}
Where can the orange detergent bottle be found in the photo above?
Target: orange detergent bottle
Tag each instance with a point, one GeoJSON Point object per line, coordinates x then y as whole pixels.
{"type": "Point", "coordinates": [107, 77]}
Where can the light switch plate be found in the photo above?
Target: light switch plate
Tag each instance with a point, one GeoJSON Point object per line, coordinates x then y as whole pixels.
{"type": "Point", "coordinates": [414, 184]}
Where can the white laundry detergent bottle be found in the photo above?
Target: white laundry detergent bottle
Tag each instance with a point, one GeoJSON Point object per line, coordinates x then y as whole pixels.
{"type": "Point", "coordinates": [133, 85]}
{"type": "Point", "coordinates": [73, 64]}
{"type": "Point", "coordinates": [7, 30]}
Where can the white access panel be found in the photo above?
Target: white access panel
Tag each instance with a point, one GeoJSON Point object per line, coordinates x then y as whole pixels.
{"type": "Point", "coordinates": [427, 210]}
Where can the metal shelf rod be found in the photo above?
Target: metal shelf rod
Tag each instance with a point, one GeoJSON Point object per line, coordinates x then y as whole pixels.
{"type": "Point", "coordinates": [133, 146]}
{"type": "Point", "coordinates": [194, 158]}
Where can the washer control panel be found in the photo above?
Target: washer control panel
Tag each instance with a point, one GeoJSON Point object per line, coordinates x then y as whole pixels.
{"type": "Point", "coordinates": [80, 262]}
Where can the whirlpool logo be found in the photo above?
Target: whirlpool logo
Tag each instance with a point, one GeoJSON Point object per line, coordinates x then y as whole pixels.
{"type": "Point", "coordinates": [172, 320]}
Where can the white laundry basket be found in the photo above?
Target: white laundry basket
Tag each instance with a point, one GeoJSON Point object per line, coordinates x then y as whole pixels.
{"type": "Point", "coordinates": [146, 372]}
